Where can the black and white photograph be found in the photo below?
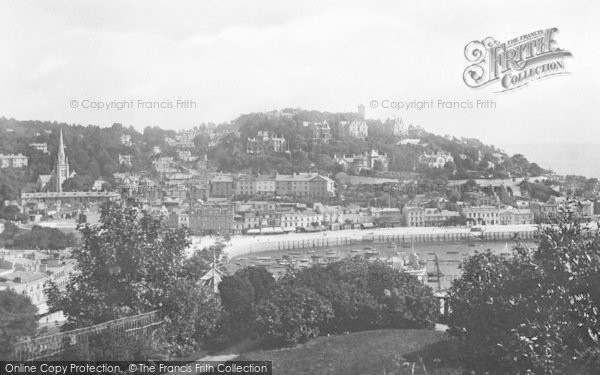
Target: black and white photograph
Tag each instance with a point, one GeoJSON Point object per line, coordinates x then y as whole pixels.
{"type": "Point", "coordinates": [299, 187]}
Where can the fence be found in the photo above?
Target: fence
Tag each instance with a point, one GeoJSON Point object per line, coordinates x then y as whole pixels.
{"type": "Point", "coordinates": [46, 346]}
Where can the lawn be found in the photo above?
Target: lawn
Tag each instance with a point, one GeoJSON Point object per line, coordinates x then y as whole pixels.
{"type": "Point", "coordinates": [392, 351]}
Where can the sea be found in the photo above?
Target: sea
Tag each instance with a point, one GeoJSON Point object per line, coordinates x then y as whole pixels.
{"type": "Point", "coordinates": [570, 158]}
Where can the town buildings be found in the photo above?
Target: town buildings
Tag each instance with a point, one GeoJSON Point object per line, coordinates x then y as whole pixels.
{"type": "Point", "coordinates": [395, 127]}
{"type": "Point", "coordinates": [436, 159]}
{"type": "Point", "coordinates": [125, 160]}
{"type": "Point", "coordinates": [497, 215]}
{"type": "Point", "coordinates": [43, 147]}
{"type": "Point", "coordinates": [263, 143]}
{"type": "Point", "coordinates": [365, 161]}
{"type": "Point", "coordinates": [304, 185]}
{"type": "Point", "coordinates": [13, 161]}
{"type": "Point", "coordinates": [26, 272]}
{"type": "Point", "coordinates": [126, 140]}
{"type": "Point", "coordinates": [42, 203]}
{"type": "Point", "coordinates": [320, 132]}
{"type": "Point", "coordinates": [212, 219]}
{"type": "Point", "coordinates": [353, 129]}
{"type": "Point", "coordinates": [163, 164]}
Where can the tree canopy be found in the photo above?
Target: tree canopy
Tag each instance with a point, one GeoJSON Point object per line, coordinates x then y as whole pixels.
{"type": "Point", "coordinates": [538, 310]}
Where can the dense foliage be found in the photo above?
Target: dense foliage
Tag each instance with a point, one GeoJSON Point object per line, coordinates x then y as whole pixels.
{"type": "Point", "coordinates": [538, 310]}
{"type": "Point", "coordinates": [350, 295]}
{"type": "Point", "coordinates": [18, 319]}
{"type": "Point", "coordinates": [126, 265]}
{"type": "Point", "coordinates": [131, 263]}
{"type": "Point", "coordinates": [293, 314]}
{"type": "Point", "coordinates": [36, 238]}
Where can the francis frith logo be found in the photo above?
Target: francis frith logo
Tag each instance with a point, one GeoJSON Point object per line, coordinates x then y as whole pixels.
{"type": "Point", "coordinates": [514, 63]}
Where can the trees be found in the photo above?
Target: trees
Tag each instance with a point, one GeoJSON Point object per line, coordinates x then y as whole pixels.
{"type": "Point", "coordinates": [261, 279]}
{"type": "Point", "coordinates": [293, 314]}
{"type": "Point", "coordinates": [360, 294]}
{"type": "Point", "coordinates": [126, 265]}
{"type": "Point", "coordinates": [18, 318]}
{"type": "Point", "coordinates": [192, 313]}
{"type": "Point", "coordinates": [237, 296]}
{"type": "Point", "coordinates": [36, 238]}
{"type": "Point", "coordinates": [538, 310]}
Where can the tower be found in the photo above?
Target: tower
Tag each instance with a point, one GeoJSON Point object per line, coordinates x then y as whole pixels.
{"type": "Point", "coordinates": [61, 168]}
{"type": "Point", "coordinates": [361, 111]}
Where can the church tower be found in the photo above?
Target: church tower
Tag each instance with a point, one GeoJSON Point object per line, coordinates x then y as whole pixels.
{"type": "Point", "coordinates": [61, 168]}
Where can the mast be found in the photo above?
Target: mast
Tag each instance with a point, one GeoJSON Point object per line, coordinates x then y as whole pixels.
{"type": "Point", "coordinates": [439, 274]}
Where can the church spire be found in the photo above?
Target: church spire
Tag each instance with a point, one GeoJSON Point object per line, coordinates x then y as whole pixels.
{"type": "Point", "coordinates": [61, 168]}
{"type": "Point", "coordinates": [61, 150]}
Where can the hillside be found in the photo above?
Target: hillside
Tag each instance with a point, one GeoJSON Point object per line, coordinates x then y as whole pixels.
{"type": "Point", "coordinates": [94, 151]}
{"type": "Point", "coordinates": [472, 158]}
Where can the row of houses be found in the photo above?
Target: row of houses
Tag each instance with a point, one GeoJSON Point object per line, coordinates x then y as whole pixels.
{"type": "Point", "coordinates": [13, 161]}
{"type": "Point", "coordinates": [416, 216]}
{"type": "Point", "coordinates": [322, 132]}
{"type": "Point", "coordinates": [256, 217]}
{"type": "Point", "coordinates": [301, 185]}
{"type": "Point", "coordinates": [549, 210]}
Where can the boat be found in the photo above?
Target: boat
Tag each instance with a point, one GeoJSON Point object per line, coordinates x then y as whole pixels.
{"type": "Point", "coordinates": [330, 252]}
{"type": "Point", "coordinates": [295, 253]}
{"type": "Point", "coordinates": [263, 258]}
{"type": "Point", "coordinates": [505, 251]}
{"type": "Point", "coordinates": [355, 251]}
{"type": "Point", "coordinates": [391, 246]}
{"type": "Point", "coordinates": [304, 260]}
{"type": "Point", "coordinates": [367, 248]}
{"type": "Point", "coordinates": [472, 245]}
{"type": "Point", "coordinates": [452, 252]}
{"type": "Point", "coordinates": [316, 256]}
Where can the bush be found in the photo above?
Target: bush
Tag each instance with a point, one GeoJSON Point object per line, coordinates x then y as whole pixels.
{"type": "Point", "coordinates": [369, 295]}
{"type": "Point", "coordinates": [17, 320]}
{"type": "Point", "coordinates": [361, 295]}
{"type": "Point", "coordinates": [290, 315]}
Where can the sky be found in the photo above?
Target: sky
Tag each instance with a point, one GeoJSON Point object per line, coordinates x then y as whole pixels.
{"type": "Point", "coordinates": [235, 57]}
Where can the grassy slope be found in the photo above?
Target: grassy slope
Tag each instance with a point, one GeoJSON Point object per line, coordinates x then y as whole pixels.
{"type": "Point", "coordinates": [368, 352]}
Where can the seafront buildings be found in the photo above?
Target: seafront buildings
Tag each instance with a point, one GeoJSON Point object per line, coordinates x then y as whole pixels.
{"type": "Point", "coordinates": [26, 272]}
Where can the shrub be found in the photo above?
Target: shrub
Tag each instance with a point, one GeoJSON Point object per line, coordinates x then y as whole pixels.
{"type": "Point", "coordinates": [17, 320]}
{"type": "Point", "coordinates": [290, 315]}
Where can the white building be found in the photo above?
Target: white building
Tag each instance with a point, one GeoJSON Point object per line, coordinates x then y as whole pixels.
{"type": "Point", "coordinates": [13, 161]}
